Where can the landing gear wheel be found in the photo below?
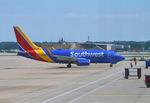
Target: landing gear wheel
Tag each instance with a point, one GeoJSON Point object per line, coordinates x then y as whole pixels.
{"type": "Point", "coordinates": [139, 77]}
{"type": "Point", "coordinates": [148, 86]}
{"type": "Point", "coordinates": [111, 65]}
{"type": "Point", "coordinates": [69, 65]}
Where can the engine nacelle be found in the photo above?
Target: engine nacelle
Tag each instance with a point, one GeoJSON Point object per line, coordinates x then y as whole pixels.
{"type": "Point", "coordinates": [83, 62]}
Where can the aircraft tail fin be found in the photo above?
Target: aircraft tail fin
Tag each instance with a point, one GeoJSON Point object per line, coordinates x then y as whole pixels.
{"type": "Point", "coordinates": [23, 41]}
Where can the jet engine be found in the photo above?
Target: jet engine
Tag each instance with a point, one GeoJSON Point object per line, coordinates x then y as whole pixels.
{"type": "Point", "coordinates": [83, 62]}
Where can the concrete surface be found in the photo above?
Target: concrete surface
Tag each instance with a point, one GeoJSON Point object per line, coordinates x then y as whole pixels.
{"type": "Point", "coordinates": [27, 81]}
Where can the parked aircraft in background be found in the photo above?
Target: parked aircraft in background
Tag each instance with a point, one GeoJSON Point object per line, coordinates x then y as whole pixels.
{"type": "Point", "coordinates": [80, 57]}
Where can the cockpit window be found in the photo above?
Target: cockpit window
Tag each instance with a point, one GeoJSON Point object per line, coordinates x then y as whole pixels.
{"type": "Point", "coordinates": [116, 54]}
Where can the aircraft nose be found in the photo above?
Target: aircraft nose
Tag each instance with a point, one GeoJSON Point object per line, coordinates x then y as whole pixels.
{"type": "Point", "coordinates": [121, 57]}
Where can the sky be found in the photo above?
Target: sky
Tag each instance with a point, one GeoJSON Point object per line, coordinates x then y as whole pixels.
{"type": "Point", "coordinates": [75, 20]}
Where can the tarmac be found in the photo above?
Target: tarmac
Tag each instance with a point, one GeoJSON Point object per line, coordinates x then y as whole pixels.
{"type": "Point", "coordinates": [24, 80]}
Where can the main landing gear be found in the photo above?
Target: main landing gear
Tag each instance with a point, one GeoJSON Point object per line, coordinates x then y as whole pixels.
{"type": "Point", "coordinates": [111, 65]}
{"type": "Point", "coordinates": [69, 65]}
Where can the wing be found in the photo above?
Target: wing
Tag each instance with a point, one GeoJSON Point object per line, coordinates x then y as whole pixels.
{"type": "Point", "coordinates": [64, 58]}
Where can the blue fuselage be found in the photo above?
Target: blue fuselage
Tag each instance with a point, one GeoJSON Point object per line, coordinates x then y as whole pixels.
{"type": "Point", "coordinates": [95, 56]}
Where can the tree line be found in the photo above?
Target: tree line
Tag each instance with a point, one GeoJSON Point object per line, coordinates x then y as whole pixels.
{"type": "Point", "coordinates": [133, 44]}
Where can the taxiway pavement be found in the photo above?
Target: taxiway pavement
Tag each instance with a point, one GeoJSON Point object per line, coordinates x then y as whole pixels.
{"type": "Point", "coordinates": [27, 81]}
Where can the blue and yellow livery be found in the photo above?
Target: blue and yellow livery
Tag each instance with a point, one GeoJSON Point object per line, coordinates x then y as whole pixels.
{"type": "Point", "coordinates": [80, 57]}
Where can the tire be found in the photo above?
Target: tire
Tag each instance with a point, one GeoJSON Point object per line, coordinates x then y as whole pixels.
{"type": "Point", "coordinates": [148, 86]}
{"type": "Point", "coordinates": [69, 65]}
{"type": "Point", "coordinates": [126, 77]}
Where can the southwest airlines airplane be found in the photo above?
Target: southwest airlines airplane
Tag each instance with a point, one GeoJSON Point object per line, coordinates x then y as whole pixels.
{"type": "Point", "coordinates": [80, 57]}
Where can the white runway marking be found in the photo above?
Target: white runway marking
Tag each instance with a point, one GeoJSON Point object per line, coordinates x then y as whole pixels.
{"type": "Point", "coordinates": [75, 89]}
{"type": "Point", "coordinates": [11, 80]}
{"type": "Point", "coordinates": [102, 86]}
{"type": "Point", "coordinates": [44, 93]}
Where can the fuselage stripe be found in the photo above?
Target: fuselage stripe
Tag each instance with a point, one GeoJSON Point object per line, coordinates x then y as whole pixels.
{"type": "Point", "coordinates": [25, 51]}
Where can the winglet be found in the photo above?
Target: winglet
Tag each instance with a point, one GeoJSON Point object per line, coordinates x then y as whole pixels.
{"type": "Point", "coordinates": [53, 48]}
{"type": "Point", "coordinates": [48, 51]}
